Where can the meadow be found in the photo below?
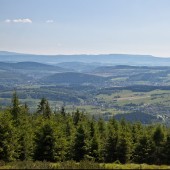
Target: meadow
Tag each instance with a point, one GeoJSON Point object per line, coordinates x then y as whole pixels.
{"type": "Point", "coordinates": [75, 165]}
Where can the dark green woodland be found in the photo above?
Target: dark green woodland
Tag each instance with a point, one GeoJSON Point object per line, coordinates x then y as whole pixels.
{"type": "Point", "coordinates": [58, 136]}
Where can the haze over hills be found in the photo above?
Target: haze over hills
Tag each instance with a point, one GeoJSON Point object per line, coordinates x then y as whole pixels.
{"type": "Point", "coordinates": [9, 53]}
{"type": "Point", "coordinates": [31, 66]}
{"type": "Point", "coordinates": [101, 84]}
{"type": "Point", "coordinates": [79, 66]}
{"type": "Point", "coordinates": [107, 59]}
{"type": "Point", "coordinates": [73, 78]}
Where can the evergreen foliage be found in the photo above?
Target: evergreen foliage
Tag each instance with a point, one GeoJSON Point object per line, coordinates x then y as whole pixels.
{"type": "Point", "coordinates": [46, 136]}
{"type": "Point", "coordinates": [9, 146]}
{"type": "Point", "coordinates": [80, 144]}
{"type": "Point", "coordinates": [45, 144]}
{"type": "Point", "coordinates": [15, 109]}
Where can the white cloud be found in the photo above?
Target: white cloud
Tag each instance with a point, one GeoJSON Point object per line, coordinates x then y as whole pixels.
{"type": "Point", "coordinates": [24, 20]}
{"type": "Point", "coordinates": [7, 20]}
{"type": "Point", "coordinates": [49, 21]}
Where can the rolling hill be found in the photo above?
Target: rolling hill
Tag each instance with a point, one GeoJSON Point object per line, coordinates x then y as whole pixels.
{"type": "Point", "coordinates": [79, 66]}
{"type": "Point", "coordinates": [31, 66]}
{"type": "Point", "coordinates": [73, 78]}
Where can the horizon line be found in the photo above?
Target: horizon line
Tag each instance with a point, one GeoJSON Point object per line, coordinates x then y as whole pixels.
{"type": "Point", "coordinates": [15, 52]}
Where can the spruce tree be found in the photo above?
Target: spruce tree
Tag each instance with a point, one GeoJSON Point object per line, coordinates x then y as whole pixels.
{"type": "Point", "coordinates": [80, 144]}
{"type": "Point", "coordinates": [158, 135]}
{"type": "Point", "coordinates": [25, 131]}
{"type": "Point", "coordinates": [111, 145]}
{"type": "Point", "coordinates": [94, 142]}
{"type": "Point", "coordinates": [63, 113]}
{"type": "Point", "coordinates": [167, 150]}
{"type": "Point", "coordinates": [76, 117]}
{"type": "Point", "coordinates": [9, 146]}
{"type": "Point", "coordinates": [47, 110]}
{"type": "Point", "coordinates": [101, 133]}
{"type": "Point", "coordinates": [144, 150]}
{"type": "Point", "coordinates": [15, 109]}
{"type": "Point", "coordinates": [158, 138]}
{"type": "Point", "coordinates": [41, 106]}
{"type": "Point", "coordinates": [45, 144]}
{"type": "Point", "coordinates": [70, 136]}
{"type": "Point", "coordinates": [123, 149]}
{"type": "Point", "coordinates": [137, 131]}
{"type": "Point", "coordinates": [44, 108]}
{"type": "Point", "coordinates": [49, 142]}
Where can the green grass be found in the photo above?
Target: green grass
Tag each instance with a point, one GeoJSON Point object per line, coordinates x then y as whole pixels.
{"type": "Point", "coordinates": [135, 166]}
{"type": "Point", "coordinates": [75, 165]}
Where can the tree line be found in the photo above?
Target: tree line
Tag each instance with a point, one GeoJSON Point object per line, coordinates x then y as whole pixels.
{"type": "Point", "coordinates": [61, 136]}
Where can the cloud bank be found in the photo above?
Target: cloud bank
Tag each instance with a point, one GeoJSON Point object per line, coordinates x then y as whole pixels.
{"type": "Point", "coordinates": [24, 20]}
{"type": "Point", "coordinates": [49, 21]}
{"type": "Point", "coordinates": [7, 20]}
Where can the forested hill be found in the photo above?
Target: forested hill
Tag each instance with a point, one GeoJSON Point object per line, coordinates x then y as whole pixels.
{"type": "Point", "coordinates": [31, 66]}
{"type": "Point", "coordinates": [116, 59]}
{"type": "Point", "coordinates": [73, 78]}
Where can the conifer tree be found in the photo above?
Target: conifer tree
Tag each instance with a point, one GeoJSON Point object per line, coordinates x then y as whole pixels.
{"type": "Point", "coordinates": [111, 145]}
{"type": "Point", "coordinates": [93, 151]}
{"type": "Point", "coordinates": [44, 108]}
{"type": "Point", "coordinates": [158, 135]}
{"type": "Point", "coordinates": [15, 109]}
{"type": "Point", "coordinates": [137, 131]}
{"type": "Point", "coordinates": [158, 138]}
{"type": "Point", "coordinates": [45, 148]}
{"type": "Point", "coordinates": [101, 132]}
{"type": "Point", "coordinates": [166, 150]}
{"type": "Point", "coordinates": [41, 106]}
{"type": "Point", "coordinates": [76, 117]}
{"type": "Point", "coordinates": [123, 148]}
{"type": "Point", "coordinates": [26, 108]}
{"type": "Point", "coordinates": [47, 110]}
{"type": "Point", "coordinates": [144, 150]}
{"type": "Point", "coordinates": [124, 144]}
{"type": "Point", "coordinates": [50, 143]}
{"type": "Point", "coordinates": [63, 111]}
{"type": "Point", "coordinates": [80, 144]}
{"type": "Point", "coordinates": [25, 131]}
{"type": "Point", "coordinates": [9, 146]}
{"type": "Point", "coordinates": [70, 136]}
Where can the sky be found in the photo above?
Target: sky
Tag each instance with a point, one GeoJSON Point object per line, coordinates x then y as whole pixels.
{"type": "Point", "coordinates": [85, 26]}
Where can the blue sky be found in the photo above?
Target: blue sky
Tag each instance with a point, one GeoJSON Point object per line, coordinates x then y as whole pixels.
{"type": "Point", "coordinates": [85, 26]}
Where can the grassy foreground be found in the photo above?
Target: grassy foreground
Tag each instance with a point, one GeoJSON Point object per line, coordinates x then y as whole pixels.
{"type": "Point", "coordinates": [74, 165]}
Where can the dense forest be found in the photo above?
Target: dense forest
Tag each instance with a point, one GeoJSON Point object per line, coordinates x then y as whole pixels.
{"type": "Point", "coordinates": [60, 136]}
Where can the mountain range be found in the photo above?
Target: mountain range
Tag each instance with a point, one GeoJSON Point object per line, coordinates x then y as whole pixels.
{"type": "Point", "coordinates": [105, 59]}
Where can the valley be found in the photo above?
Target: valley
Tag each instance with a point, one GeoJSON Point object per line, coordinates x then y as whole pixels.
{"type": "Point", "coordinates": [97, 88]}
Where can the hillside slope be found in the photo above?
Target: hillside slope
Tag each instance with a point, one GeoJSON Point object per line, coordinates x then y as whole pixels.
{"type": "Point", "coordinates": [73, 78]}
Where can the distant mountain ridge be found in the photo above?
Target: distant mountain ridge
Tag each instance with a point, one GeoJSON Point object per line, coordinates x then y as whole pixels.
{"type": "Point", "coordinates": [9, 53]}
{"type": "Point", "coordinates": [107, 59]}
{"type": "Point", "coordinates": [30, 66]}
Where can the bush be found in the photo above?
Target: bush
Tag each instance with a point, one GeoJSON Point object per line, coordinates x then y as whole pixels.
{"type": "Point", "coordinates": [31, 165]}
{"type": "Point", "coordinates": [81, 165]}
